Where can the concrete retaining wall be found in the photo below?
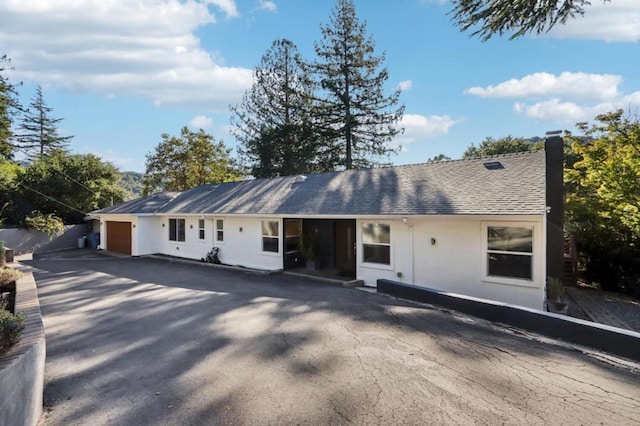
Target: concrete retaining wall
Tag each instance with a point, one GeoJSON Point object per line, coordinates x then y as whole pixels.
{"type": "Point", "coordinates": [613, 340]}
{"type": "Point", "coordinates": [22, 367]}
{"type": "Point", "coordinates": [31, 241]}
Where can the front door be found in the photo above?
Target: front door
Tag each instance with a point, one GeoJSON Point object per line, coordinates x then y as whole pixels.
{"type": "Point", "coordinates": [345, 240]}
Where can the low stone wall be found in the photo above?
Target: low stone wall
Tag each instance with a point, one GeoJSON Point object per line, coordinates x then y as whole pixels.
{"type": "Point", "coordinates": [31, 241]}
{"type": "Point", "coordinates": [22, 366]}
{"type": "Point", "coordinates": [602, 337]}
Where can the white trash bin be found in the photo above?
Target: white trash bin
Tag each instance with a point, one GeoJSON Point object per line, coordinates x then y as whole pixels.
{"type": "Point", "coordinates": [82, 242]}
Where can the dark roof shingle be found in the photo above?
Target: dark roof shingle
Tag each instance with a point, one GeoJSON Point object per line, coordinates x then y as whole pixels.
{"type": "Point", "coordinates": [443, 188]}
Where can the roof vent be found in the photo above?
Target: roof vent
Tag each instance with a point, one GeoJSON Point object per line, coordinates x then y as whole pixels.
{"type": "Point", "coordinates": [493, 165]}
{"type": "Point", "coordinates": [300, 179]}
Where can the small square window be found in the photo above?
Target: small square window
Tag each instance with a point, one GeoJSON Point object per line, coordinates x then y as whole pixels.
{"type": "Point", "coordinates": [270, 236]}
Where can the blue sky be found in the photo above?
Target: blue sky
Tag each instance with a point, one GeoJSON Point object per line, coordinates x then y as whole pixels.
{"type": "Point", "coordinates": [121, 73]}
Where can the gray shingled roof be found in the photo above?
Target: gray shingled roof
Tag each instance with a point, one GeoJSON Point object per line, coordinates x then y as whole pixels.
{"type": "Point", "coordinates": [444, 188]}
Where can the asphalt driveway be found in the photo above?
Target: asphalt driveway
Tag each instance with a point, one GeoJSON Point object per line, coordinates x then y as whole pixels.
{"type": "Point", "coordinates": [145, 341]}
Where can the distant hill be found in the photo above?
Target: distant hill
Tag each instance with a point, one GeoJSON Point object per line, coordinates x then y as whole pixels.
{"type": "Point", "coordinates": [132, 183]}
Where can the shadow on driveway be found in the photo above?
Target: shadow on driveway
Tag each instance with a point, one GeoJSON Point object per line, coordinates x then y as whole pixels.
{"type": "Point", "coordinates": [142, 341]}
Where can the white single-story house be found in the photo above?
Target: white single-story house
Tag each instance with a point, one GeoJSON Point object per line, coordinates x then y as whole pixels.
{"type": "Point", "coordinates": [480, 227]}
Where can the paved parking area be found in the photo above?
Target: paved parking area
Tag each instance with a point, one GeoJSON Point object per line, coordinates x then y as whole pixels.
{"type": "Point", "coordinates": [147, 341]}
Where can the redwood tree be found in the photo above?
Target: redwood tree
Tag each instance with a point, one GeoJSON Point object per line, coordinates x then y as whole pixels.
{"type": "Point", "coordinates": [356, 119]}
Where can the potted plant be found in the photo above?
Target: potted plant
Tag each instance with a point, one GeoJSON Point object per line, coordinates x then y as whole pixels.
{"type": "Point", "coordinates": [556, 296]}
{"type": "Point", "coordinates": [307, 248]}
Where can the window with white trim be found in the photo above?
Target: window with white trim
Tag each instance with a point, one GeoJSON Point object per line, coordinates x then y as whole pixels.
{"type": "Point", "coordinates": [201, 233]}
{"type": "Point", "coordinates": [376, 243]}
{"type": "Point", "coordinates": [219, 230]}
{"type": "Point", "coordinates": [510, 252]}
{"type": "Point", "coordinates": [176, 230]}
{"type": "Point", "coordinates": [270, 236]}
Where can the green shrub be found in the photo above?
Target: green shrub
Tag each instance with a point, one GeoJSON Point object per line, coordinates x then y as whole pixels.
{"type": "Point", "coordinates": [8, 275]}
{"type": "Point", "coordinates": [50, 224]}
{"type": "Point", "coordinates": [11, 327]}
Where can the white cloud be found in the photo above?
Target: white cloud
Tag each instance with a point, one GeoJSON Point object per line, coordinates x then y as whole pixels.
{"type": "Point", "coordinates": [146, 48]}
{"type": "Point", "coordinates": [227, 6]}
{"type": "Point", "coordinates": [575, 84]}
{"type": "Point", "coordinates": [417, 127]}
{"type": "Point", "coordinates": [567, 98]}
{"type": "Point", "coordinates": [405, 85]}
{"type": "Point", "coordinates": [267, 6]}
{"type": "Point", "coordinates": [201, 122]}
{"type": "Point", "coordinates": [568, 112]}
{"type": "Point", "coordinates": [615, 21]}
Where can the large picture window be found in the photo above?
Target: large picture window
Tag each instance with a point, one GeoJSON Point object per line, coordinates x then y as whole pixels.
{"type": "Point", "coordinates": [376, 243]}
{"type": "Point", "coordinates": [176, 230]}
{"type": "Point", "coordinates": [270, 236]}
{"type": "Point", "coordinates": [510, 252]}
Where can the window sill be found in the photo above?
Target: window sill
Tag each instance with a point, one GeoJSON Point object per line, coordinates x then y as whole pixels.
{"type": "Point", "coordinates": [510, 281]}
{"type": "Point", "coordinates": [270, 253]}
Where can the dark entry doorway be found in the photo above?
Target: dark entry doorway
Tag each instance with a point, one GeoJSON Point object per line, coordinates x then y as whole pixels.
{"type": "Point", "coordinates": [345, 246]}
{"type": "Point", "coordinates": [333, 243]}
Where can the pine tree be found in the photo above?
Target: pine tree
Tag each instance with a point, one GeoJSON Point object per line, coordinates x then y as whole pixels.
{"type": "Point", "coordinates": [273, 122]}
{"type": "Point", "coordinates": [487, 18]}
{"type": "Point", "coordinates": [354, 115]}
{"type": "Point", "coordinates": [9, 107]}
{"type": "Point", "coordinates": [39, 131]}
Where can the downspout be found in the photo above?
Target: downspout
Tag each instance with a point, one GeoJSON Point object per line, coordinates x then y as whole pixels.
{"type": "Point", "coordinates": [411, 249]}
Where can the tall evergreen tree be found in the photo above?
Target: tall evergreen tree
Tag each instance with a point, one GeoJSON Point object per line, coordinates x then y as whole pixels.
{"type": "Point", "coordinates": [355, 116]}
{"type": "Point", "coordinates": [38, 130]}
{"type": "Point", "coordinates": [273, 123]}
{"type": "Point", "coordinates": [193, 159]}
{"type": "Point", "coordinates": [505, 145]}
{"type": "Point", "coordinates": [9, 107]}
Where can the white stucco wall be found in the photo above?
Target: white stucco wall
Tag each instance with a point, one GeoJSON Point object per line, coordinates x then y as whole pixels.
{"type": "Point", "coordinates": [242, 243]}
{"type": "Point", "coordinates": [457, 261]}
{"type": "Point", "coordinates": [245, 247]}
{"type": "Point", "coordinates": [192, 247]}
{"type": "Point", "coordinates": [148, 234]}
